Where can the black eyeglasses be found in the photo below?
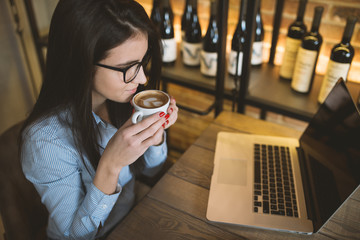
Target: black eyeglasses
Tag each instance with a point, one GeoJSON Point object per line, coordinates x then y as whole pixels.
{"type": "Point", "coordinates": [130, 72]}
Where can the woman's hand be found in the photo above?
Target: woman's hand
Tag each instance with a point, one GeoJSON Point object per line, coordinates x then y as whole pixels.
{"type": "Point", "coordinates": [127, 145]}
{"type": "Point", "coordinates": [172, 115]}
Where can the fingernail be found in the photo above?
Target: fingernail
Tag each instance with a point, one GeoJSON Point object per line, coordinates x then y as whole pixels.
{"type": "Point", "coordinates": [163, 125]}
{"type": "Point", "coordinates": [167, 122]}
{"type": "Point", "coordinates": [171, 110]}
{"type": "Point", "coordinates": [162, 114]}
{"type": "Point", "coordinates": [167, 116]}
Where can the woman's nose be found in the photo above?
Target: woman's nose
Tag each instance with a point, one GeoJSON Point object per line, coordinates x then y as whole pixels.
{"type": "Point", "coordinates": [141, 77]}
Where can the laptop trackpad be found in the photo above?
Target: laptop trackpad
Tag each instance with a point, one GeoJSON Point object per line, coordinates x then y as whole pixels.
{"type": "Point", "coordinates": [232, 171]}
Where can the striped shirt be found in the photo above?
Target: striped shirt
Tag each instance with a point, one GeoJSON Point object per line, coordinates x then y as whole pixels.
{"type": "Point", "coordinates": [76, 207]}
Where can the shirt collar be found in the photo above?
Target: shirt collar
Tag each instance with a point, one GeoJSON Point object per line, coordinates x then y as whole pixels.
{"type": "Point", "coordinates": [97, 118]}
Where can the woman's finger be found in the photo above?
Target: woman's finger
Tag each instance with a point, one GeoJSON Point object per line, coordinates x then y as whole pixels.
{"type": "Point", "coordinates": [148, 126]}
{"type": "Point", "coordinates": [156, 139]}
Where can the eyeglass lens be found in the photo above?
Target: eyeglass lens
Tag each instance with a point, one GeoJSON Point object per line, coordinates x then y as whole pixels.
{"type": "Point", "coordinates": [132, 72]}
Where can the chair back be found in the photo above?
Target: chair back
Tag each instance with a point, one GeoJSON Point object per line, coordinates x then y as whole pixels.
{"type": "Point", "coordinates": [23, 214]}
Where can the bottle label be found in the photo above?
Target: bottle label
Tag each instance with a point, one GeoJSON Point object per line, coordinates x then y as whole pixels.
{"type": "Point", "coordinates": [334, 71]}
{"type": "Point", "coordinates": [169, 48]}
{"type": "Point", "coordinates": [256, 56]}
{"type": "Point", "coordinates": [191, 53]}
{"type": "Point", "coordinates": [304, 67]}
{"type": "Point", "coordinates": [288, 63]}
{"type": "Point", "coordinates": [208, 64]}
{"type": "Point", "coordinates": [232, 62]}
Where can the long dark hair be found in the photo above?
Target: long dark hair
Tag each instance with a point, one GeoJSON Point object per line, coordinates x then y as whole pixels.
{"type": "Point", "coordinates": [81, 34]}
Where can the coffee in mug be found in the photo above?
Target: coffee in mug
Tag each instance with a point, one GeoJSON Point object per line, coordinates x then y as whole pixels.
{"type": "Point", "coordinates": [149, 102]}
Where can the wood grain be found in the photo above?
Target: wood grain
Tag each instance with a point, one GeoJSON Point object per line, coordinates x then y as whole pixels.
{"type": "Point", "coordinates": [159, 221]}
{"type": "Point", "coordinates": [192, 199]}
{"type": "Point", "coordinates": [227, 121]}
{"type": "Point", "coordinates": [345, 222]}
{"type": "Point", "coordinates": [195, 166]}
{"type": "Point", "coordinates": [256, 126]}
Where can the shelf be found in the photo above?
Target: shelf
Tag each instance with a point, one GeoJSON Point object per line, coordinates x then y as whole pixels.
{"type": "Point", "coordinates": [266, 90]}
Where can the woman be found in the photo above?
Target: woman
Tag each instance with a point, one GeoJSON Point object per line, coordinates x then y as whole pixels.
{"type": "Point", "coordinates": [79, 147]}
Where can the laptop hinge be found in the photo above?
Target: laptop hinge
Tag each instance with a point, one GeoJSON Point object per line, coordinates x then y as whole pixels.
{"type": "Point", "coordinates": [306, 184]}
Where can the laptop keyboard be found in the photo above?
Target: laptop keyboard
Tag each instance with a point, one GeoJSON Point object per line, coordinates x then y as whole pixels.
{"type": "Point", "coordinates": [274, 191]}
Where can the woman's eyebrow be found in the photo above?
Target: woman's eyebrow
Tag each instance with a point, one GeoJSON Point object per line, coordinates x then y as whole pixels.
{"type": "Point", "coordinates": [128, 63]}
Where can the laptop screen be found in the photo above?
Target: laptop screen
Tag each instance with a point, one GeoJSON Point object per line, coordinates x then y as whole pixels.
{"type": "Point", "coordinates": [331, 148]}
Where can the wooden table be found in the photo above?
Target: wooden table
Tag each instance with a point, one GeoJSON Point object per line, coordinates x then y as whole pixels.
{"type": "Point", "coordinates": [176, 207]}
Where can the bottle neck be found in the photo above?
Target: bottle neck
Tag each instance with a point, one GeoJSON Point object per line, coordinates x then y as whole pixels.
{"type": "Point", "coordinates": [156, 3]}
{"type": "Point", "coordinates": [213, 9]}
{"type": "Point", "coordinates": [242, 15]}
{"type": "Point", "coordinates": [193, 4]}
{"type": "Point", "coordinates": [186, 15]}
{"type": "Point", "coordinates": [258, 15]}
{"type": "Point", "coordinates": [187, 5]}
{"type": "Point", "coordinates": [301, 10]}
{"type": "Point", "coordinates": [349, 29]}
{"type": "Point", "coordinates": [165, 3]}
{"type": "Point", "coordinates": [317, 19]}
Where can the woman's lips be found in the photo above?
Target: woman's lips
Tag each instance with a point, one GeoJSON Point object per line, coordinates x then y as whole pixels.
{"type": "Point", "coordinates": [132, 91]}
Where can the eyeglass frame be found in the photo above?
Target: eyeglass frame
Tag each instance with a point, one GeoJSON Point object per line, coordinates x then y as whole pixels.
{"type": "Point", "coordinates": [144, 62]}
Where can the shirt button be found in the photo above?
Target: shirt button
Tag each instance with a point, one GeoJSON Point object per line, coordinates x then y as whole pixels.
{"type": "Point", "coordinates": [104, 206]}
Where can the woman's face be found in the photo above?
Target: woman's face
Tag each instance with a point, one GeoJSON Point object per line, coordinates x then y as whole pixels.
{"type": "Point", "coordinates": [108, 83]}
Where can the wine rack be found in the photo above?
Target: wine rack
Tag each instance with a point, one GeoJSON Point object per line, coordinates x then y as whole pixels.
{"type": "Point", "coordinates": [266, 90]}
{"type": "Point", "coordinates": [262, 86]}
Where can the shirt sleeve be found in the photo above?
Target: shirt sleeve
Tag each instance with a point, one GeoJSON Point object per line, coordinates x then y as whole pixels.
{"type": "Point", "coordinates": [154, 158]}
{"type": "Point", "coordinates": [53, 167]}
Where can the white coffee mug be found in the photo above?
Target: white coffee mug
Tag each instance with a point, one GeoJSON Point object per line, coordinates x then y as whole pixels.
{"type": "Point", "coordinates": [148, 102]}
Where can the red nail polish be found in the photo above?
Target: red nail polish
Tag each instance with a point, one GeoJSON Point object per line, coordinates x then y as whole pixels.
{"type": "Point", "coordinates": [163, 125]}
{"type": "Point", "coordinates": [167, 116]}
{"type": "Point", "coordinates": [167, 122]}
{"type": "Point", "coordinates": [162, 114]}
{"type": "Point", "coordinates": [171, 110]}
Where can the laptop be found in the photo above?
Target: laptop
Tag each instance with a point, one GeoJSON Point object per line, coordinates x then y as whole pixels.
{"type": "Point", "coordinates": [289, 184]}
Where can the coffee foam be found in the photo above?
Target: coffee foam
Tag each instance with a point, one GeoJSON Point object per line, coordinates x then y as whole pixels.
{"type": "Point", "coordinates": [151, 99]}
{"type": "Point", "coordinates": [151, 102]}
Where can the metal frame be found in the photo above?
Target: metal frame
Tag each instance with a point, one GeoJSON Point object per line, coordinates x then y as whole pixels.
{"type": "Point", "coordinates": [38, 40]}
{"type": "Point", "coordinates": [220, 76]}
{"type": "Point", "coordinates": [276, 28]}
{"type": "Point", "coordinates": [244, 79]}
{"type": "Point", "coordinates": [246, 63]}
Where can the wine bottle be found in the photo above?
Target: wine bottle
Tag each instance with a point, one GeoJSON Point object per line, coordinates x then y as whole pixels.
{"type": "Point", "coordinates": [296, 32]}
{"type": "Point", "coordinates": [155, 15]}
{"type": "Point", "coordinates": [185, 19]}
{"type": "Point", "coordinates": [208, 61]}
{"type": "Point", "coordinates": [340, 60]}
{"type": "Point", "coordinates": [307, 56]}
{"type": "Point", "coordinates": [167, 33]}
{"type": "Point", "coordinates": [237, 43]}
{"type": "Point", "coordinates": [257, 49]}
{"type": "Point", "coordinates": [193, 39]}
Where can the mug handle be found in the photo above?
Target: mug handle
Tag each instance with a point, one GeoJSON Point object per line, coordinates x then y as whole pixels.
{"type": "Point", "coordinates": [137, 117]}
